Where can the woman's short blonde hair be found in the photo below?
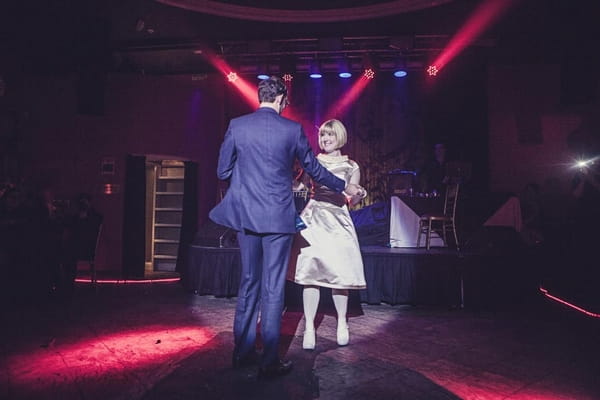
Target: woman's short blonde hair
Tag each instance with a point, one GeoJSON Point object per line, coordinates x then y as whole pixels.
{"type": "Point", "coordinates": [335, 127]}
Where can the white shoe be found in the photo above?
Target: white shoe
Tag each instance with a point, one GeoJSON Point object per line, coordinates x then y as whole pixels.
{"type": "Point", "coordinates": [343, 335]}
{"type": "Point", "coordinates": [309, 340]}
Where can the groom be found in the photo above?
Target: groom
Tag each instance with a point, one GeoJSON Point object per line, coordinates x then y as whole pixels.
{"type": "Point", "coordinates": [258, 154]}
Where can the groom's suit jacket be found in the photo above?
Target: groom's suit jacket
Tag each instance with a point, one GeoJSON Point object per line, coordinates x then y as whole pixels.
{"type": "Point", "coordinates": [257, 154]}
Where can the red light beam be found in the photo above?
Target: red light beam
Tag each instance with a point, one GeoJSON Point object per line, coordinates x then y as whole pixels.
{"type": "Point", "coordinates": [343, 103]}
{"type": "Point", "coordinates": [248, 91]}
{"type": "Point", "coordinates": [484, 16]}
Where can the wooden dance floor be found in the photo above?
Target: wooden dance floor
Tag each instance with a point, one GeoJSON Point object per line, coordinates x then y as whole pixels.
{"type": "Point", "coordinates": [158, 341]}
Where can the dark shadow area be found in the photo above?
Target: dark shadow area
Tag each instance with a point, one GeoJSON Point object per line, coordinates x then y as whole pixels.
{"type": "Point", "coordinates": [208, 375]}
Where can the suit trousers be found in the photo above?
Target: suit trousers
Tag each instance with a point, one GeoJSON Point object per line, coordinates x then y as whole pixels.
{"type": "Point", "coordinates": [264, 259]}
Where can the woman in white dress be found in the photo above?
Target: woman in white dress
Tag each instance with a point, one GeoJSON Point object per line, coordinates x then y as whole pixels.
{"type": "Point", "coordinates": [332, 258]}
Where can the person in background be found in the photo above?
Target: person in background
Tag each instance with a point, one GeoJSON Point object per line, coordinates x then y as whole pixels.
{"type": "Point", "coordinates": [432, 177]}
{"type": "Point", "coordinates": [82, 228]}
{"type": "Point", "coordinates": [530, 200]}
{"type": "Point", "coordinates": [585, 188]}
{"type": "Point", "coordinates": [331, 257]}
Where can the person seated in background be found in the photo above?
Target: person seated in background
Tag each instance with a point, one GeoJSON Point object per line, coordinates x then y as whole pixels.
{"type": "Point", "coordinates": [585, 188]}
{"type": "Point", "coordinates": [530, 201]}
{"type": "Point", "coordinates": [50, 214]}
{"type": "Point", "coordinates": [86, 223]}
{"type": "Point", "coordinates": [13, 234]}
{"type": "Point", "coordinates": [29, 243]}
{"type": "Point", "coordinates": [4, 187]}
{"type": "Point", "coordinates": [81, 234]}
{"type": "Point", "coordinates": [432, 178]}
{"type": "Point", "coordinates": [12, 208]}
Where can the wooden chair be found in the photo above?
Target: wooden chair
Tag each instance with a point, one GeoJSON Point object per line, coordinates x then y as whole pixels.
{"type": "Point", "coordinates": [446, 220]}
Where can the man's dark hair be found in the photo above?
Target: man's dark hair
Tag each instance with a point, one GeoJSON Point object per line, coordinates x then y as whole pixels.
{"type": "Point", "coordinates": [270, 88]}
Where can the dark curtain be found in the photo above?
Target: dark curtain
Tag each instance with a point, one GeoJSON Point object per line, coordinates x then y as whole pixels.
{"type": "Point", "coordinates": [383, 123]}
{"type": "Point", "coordinates": [189, 218]}
{"type": "Point", "coordinates": [392, 277]}
{"type": "Point", "coordinates": [134, 218]}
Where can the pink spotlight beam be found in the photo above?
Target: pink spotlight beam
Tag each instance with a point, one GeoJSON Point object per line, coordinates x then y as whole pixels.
{"type": "Point", "coordinates": [484, 16]}
{"type": "Point", "coordinates": [338, 108]}
{"type": "Point", "coordinates": [248, 91]}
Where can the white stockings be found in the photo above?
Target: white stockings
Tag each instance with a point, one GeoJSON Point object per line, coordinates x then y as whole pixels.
{"type": "Point", "coordinates": [310, 298]}
{"type": "Point", "coordinates": [340, 300]}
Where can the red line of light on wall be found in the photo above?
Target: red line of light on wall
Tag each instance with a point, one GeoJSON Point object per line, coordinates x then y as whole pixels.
{"type": "Point", "coordinates": [571, 305]}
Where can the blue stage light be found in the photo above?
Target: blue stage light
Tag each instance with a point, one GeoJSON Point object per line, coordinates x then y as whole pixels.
{"type": "Point", "coordinates": [262, 77]}
{"type": "Point", "coordinates": [315, 70]}
{"type": "Point", "coordinates": [344, 70]}
{"type": "Point", "coordinates": [400, 74]}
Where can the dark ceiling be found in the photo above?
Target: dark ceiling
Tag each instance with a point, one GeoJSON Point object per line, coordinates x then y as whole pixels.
{"type": "Point", "coordinates": [145, 35]}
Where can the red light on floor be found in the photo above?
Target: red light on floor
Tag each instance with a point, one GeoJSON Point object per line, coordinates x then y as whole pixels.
{"type": "Point", "coordinates": [129, 351]}
{"type": "Point", "coordinates": [232, 77]}
{"type": "Point", "coordinates": [432, 70]}
{"type": "Point", "coordinates": [369, 73]}
{"type": "Point", "coordinates": [126, 281]}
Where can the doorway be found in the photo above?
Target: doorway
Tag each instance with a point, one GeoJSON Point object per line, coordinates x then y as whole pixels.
{"type": "Point", "coordinates": [164, 211]}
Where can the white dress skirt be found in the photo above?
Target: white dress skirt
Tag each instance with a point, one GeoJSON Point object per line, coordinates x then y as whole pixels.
{"type": "Point", "coordinates": [327, 252]}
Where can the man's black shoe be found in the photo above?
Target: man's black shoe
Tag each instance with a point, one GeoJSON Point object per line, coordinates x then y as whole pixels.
{"type": "Point", "coordinates": [246, 360]}
{"type": "Point", "coordinates": [280, 368]}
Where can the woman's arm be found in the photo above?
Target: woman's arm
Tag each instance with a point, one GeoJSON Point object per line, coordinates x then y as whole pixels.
{"type": "Point", "coordinates": [355, 179]}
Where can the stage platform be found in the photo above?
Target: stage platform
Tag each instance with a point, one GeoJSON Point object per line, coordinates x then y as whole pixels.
{"type": "Point", "coordinates": [411, 276]}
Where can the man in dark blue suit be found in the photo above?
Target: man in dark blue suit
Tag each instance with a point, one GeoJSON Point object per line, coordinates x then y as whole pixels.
{"type": "Point", "coordinates": [257, 154]}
